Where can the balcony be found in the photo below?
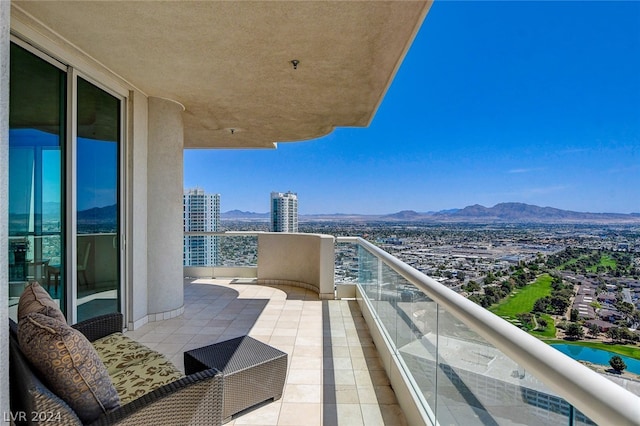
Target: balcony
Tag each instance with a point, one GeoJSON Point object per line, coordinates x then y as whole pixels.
{"type": "Point", "coordinates": [398, 346]}
{"type": "Point", "coordinates": [334, 371]}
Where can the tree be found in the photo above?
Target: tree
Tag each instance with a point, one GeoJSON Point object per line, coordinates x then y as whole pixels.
{"type": "Point", "coordinates": [472, 286]}
{"type": "Point", "coordinates": [574, 331]}
{"type": "Point", "coordinates": [541, 305]}
{"type": "Point", "coordinates": [617, 363]}
{"type": "Point", "coordinates": [506, 286]}
{"type": "Point", "coordinates": [542, 323]}
{"type": "Point", "coordinates": [574, 315]}
{"type": "Point", "coordinates": [615, 334]}
{"type": "Point", "coordinates": [489, 278]}
{"type": "Point", "coordinates": [625, 307]}
{"type": "Point", "coordinates": [594, 330]}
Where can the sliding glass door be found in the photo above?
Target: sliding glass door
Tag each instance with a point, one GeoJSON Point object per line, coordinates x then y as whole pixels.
{"type": "Point", "coordinates": [97, 183]}
{"type": "Point", "coordinates": [37, 139]}
{"type": "Point", "coordinates": [59, 165]}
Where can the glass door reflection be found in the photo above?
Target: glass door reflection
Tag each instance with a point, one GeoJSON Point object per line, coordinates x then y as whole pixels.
{"type": "Point", "coordinates": [36, 195]}
{"type": "Point", "coordinates": [97, 177]}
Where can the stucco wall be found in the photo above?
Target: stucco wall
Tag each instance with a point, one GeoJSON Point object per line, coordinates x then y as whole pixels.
{"type": "Point", "coordinates": [137, 210]}
{"type": "Point", "coordinates": [164, 206]}
{"type": "Point", "coordinates": [302, 258]}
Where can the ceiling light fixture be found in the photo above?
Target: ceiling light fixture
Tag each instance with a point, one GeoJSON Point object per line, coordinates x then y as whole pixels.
{"type": "Point", "coordinates": [295, 63]}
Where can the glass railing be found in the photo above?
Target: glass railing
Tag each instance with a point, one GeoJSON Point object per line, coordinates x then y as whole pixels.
{"type": "Point", "coordinates": [467, 366]}
{"type": "Point", "coordinates": [221, 249]}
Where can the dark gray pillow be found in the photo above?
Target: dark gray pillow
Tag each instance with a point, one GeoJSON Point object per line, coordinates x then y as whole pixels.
{"type": "Point", "coordinates": [34, 298]}
{"type": "Point", "coordinates": [69, 365]}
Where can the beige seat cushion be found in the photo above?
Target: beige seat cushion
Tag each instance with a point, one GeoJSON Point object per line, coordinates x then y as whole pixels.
{"type": "Point", "coordinates": [68, 364]}
{"type": "Point", "coordinates": [135, 369]}
{"type": "Point", "coordinates": [37, 299]}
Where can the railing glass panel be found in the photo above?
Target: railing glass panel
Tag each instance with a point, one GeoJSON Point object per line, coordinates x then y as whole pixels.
{"type": "Point", "coordinates": [477, 384]}
{"type": "Point", "coordinates": [458, 376]}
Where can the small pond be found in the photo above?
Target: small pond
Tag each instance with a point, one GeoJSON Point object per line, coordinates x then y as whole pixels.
{"type": "Point", "coordinates": [596, 356]}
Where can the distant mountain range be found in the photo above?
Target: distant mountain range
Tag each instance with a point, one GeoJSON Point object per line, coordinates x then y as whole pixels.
{"type": "Point", "coordinates": [500, 213]}
{"type": "Point", "coordinates": [98, 214]}
{"type": "Point", "coordinates": [238, 214]}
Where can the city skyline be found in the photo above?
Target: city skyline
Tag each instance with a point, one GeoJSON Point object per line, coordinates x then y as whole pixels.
{"type": "Point", "coordinates": [531, 102]}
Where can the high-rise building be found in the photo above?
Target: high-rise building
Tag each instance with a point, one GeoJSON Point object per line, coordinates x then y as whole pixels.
{"type": "Point", "coordinates": [201, 214]}
{"type": "Point", "coordinates": [284, 212]}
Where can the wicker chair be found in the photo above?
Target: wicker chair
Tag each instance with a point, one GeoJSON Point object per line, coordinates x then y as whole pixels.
{"type": "Point", "coordinates": [196, 399]}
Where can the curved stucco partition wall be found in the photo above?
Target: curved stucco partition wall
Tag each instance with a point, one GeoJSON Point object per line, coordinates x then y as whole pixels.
{"type": "Point", "coordinates": [165, 293]}
{"type": "Point", "coordinates": [305, 260]}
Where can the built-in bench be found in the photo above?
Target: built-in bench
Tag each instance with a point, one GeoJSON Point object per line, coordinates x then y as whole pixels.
{"type": "Point", "coordinates": [90, 373]}
{"type": "Point", "coordinates": [149, 388]}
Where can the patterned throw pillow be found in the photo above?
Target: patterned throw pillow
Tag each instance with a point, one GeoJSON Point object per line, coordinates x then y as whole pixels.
{"type": "Point", "coordinates": [36, 299]}
{"type": "Point", "coordinates": [69, 365]}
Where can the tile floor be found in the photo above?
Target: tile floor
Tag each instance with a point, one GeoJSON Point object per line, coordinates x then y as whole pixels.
{"type": "Point", "coordinates": [334, 377]}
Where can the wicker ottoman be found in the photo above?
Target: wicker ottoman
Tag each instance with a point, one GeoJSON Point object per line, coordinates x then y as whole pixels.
{"type": "Point", "coordinates": [252, 371]}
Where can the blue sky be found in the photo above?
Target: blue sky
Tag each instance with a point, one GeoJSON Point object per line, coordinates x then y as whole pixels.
{"type": "Point", "coordinates": [509, 101]}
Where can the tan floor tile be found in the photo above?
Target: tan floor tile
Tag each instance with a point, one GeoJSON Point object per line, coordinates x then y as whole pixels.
{"type": "Point", "coordinates": [342, 363]}
{"type": "Point", "coordinates": [315, 332]}
{"type": "Point", "coordinates": [381, 395]}
{"type": "Point", "coordinates": [302, 393]}
{"type": "Point", "coordinates": [340, 394]}
{"type": "Point", "coordinates": [179, 338]}
{"type": "Point", "coordinates": [178, 361]}
{"type": "Point", "coordinates": [304, 377]}
{"type": "Point", "coordinates": [336, 332]}
{"type": "Point", "coordinates": [153, 337]}
{"type": "Point", "coordinates": [306, 340]}
{"type": "Point", "coordinates": [393, 415]}
{"type": "Point", "coordinates": [373, 377]}
{"type": "Point", "coordinates": [372, 416]}
{"type": "Point", "coordinates": [263, 339]}
{"type": "Point", "coordinates": [269, 314]}
{"type": "Point", "coordinates": [284, 331]}
{"type": "Point", "coordinates": [287, 324]}
{"type": "Point", "coordinates": [350, 414]}
{"type": "Point", "coordinates": [331, 355]}
{"type": "Point", "coordinates": [265, 415]}
{"type": "Point", "coordinates": [169, 349]}
{"type": "Point", "coordinates": [339, 377]}
{"type": "Point", "coordinates": [337, 341]}
{"type": "Point", "coordinates": [308, 351]}
{"type": "Point", "coordinates": [282, 340]}
{"type": "Point", "coordinates": [300, 414]}
{"type": "Point", "coordinates": [262, 331]}
{"type": "Point", "coordinates": [337, 351]}
{"type": "Point", "coordinates": [342, 415]}
{"type": "Point", "coordinates": [300, 362]}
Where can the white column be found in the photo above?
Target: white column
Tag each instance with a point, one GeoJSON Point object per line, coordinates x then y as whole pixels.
{"type": "Point", "coordinates": [136, 219]}
{"type": "Point", "coordinates": [4, 201]}
{"type": "Point", "coordinates": [165, 293]}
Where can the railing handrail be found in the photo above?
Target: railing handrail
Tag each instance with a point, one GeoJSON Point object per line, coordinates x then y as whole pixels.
{"type": "Point", "coordinates": [597, 397]}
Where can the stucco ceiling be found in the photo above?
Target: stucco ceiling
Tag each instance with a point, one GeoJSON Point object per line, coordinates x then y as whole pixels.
{"type": "Point", "coordinates": [229, 62]}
